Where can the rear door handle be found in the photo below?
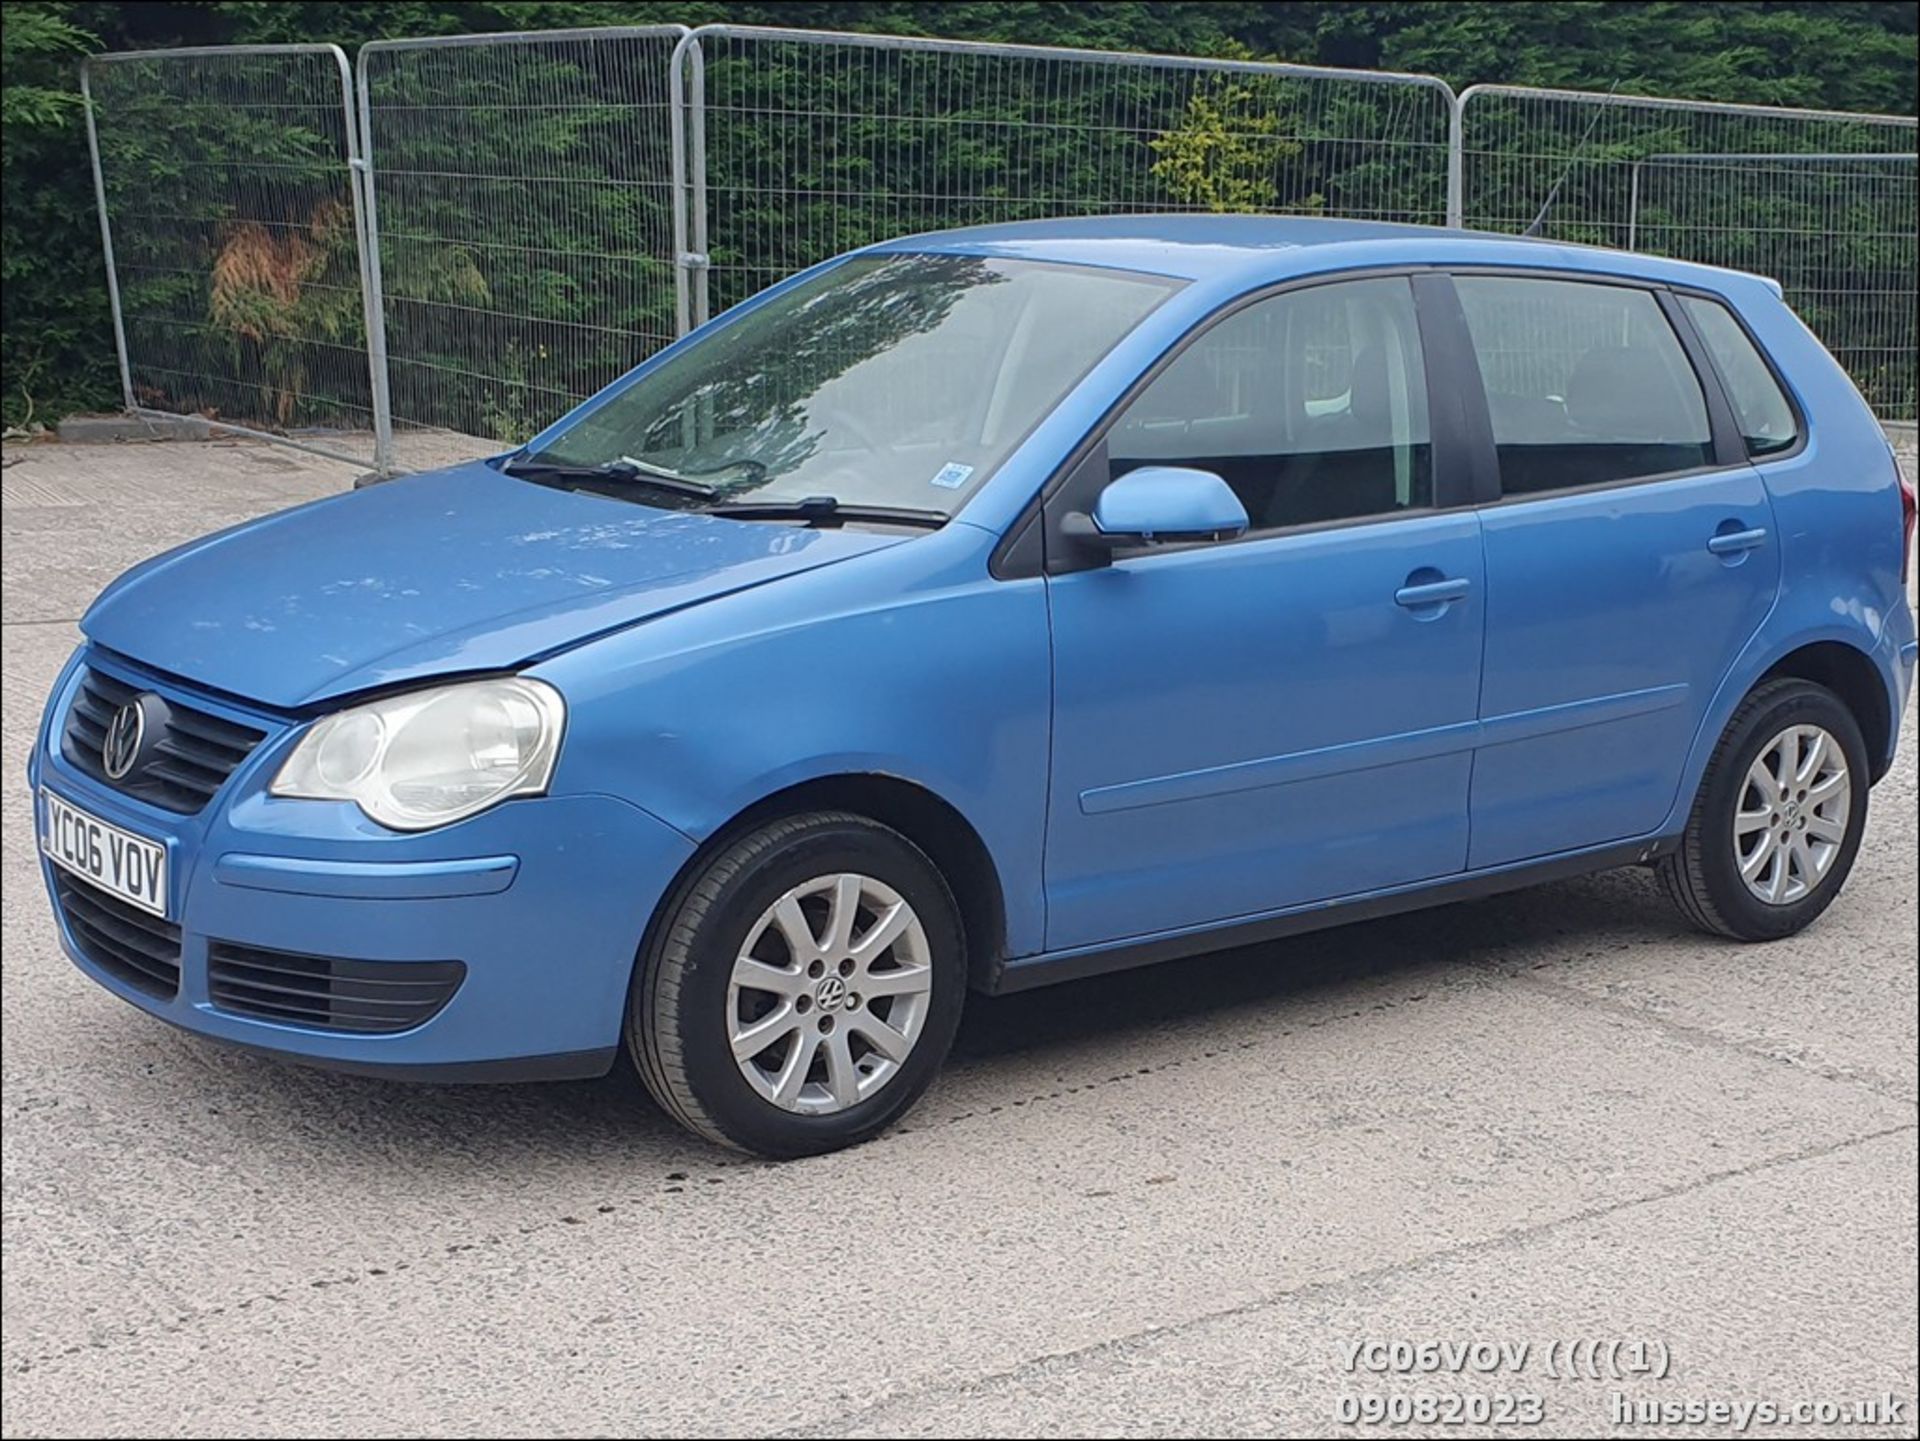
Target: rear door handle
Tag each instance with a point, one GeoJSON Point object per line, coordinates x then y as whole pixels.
{"type": "Point", "coordinates": [1437, 592]}
{"type": "Point", "coordinates": [1729, 542]}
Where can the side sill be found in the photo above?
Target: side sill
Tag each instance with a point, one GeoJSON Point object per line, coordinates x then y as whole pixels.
{"type": "Point", "coordinates": [1032, 972]}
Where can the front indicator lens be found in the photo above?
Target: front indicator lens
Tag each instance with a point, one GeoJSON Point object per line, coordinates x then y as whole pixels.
{"type": "Point", "coordinates": [430, 757]}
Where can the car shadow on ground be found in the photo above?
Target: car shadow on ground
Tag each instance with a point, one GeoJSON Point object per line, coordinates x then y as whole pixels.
{"type": "Point", "coordinates": [1284, 976]}
{"type": "Point", "coordinates": [611, 1124]}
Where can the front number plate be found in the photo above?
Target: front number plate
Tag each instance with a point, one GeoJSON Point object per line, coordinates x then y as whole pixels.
{"type": "Point", "coordinates": [118, 862]}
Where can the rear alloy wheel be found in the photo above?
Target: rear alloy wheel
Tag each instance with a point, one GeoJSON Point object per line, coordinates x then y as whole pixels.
{"type": "Point", "coordinates": [1792, 817]}
{"type": "Point", "coordinates": [1777, 821]}
{"type": "Point", "coordinates": [801, 990]}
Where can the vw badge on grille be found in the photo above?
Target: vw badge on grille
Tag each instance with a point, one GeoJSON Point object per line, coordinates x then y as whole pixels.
{"type": "Point", "coordinates": [124, 733]}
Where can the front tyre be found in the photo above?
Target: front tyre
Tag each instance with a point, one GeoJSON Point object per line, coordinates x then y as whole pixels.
{"type": "Point", "coordinates": [1778, 819]}
{"type": "Point", "coordinates": [801, 990]}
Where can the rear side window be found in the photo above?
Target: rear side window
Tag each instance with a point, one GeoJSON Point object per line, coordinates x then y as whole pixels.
{"type": "Point", "coordinates": [1587, 384]}
{"type": "Point", "coordinates": [1765, 417]}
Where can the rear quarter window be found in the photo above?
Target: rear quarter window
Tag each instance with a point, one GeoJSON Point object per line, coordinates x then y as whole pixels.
{"type": "Point", "coordinates": [1759, 405]}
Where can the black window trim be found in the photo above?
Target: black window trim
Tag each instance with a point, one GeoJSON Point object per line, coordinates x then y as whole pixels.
{"type": "Point", "coordinates": [1033, 545]}
{"type": "Point", "coordinates": [1466, 468]}
{"type": "Point", "coordinates": [1450, 342]}
{"type": "Point", "coordinates": [1794, 408]}
{"type": "Point", "coordinates": [1729, 447]}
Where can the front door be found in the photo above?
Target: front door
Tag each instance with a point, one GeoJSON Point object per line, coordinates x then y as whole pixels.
{"type": "Point", "coordinates": [1287, 718]}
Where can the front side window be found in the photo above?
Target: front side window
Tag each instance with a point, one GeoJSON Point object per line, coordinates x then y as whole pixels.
{"type": "Point", "coordinates": [1765, 418]}
{"type": "Point", "coordinates": [1586, 384]}
{"type": "Point", "coordinates": [895, 381]}
{"type": "Point", "coordinates": [1311, 405]}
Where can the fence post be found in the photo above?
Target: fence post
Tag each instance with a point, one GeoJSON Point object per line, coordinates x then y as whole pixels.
{"type": "Point", "coordinates": [367, 229]}
{"type": "Point", "coordinates": [106, 240]}
{"type": "Point", "coordinates": [697, 159]}
{"type": "Point", "coordinates": [689, 143]}
{"type": "Point", "coordinates": [677, 144]}
{"type": "Point", "coordinates": [1456, 162]}
{"type": "Point", "coordinates": [1633, 207]}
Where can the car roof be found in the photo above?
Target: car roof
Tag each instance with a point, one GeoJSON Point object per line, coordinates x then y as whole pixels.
{"type": "Point", "coordinates": [1250, 250]}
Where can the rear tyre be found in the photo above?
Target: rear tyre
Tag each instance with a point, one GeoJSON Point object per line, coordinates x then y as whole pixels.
{"type": "Point", "coordinates": [1777, 822]}
{"type": "Point", "coordinates": [801, 990]}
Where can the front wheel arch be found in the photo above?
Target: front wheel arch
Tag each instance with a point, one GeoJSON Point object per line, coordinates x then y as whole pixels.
{"type": "Point", "coordinates": [926, 819]}
{"type": "Point", "coordinates": [690, 975]}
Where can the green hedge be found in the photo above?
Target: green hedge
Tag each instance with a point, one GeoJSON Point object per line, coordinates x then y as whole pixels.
{"type": "Point", "coordinates": [56, 347]}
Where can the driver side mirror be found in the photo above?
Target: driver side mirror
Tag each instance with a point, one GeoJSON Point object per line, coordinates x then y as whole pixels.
{"type": "Point", "coordinates": [1160, 505]}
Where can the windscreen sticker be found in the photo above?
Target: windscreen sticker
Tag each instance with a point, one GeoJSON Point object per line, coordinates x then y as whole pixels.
{"type": "Point", "coordinates": [952, 476]}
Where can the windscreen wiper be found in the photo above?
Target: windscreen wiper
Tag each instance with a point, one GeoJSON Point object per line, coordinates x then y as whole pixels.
{"type": "Point", "coordinates": [623, 471]}
{"type": "Point", "coordinates": [827, 510]}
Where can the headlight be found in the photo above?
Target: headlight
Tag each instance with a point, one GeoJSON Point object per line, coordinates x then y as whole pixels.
{"type": "Point", "coordinates": [429, 757]}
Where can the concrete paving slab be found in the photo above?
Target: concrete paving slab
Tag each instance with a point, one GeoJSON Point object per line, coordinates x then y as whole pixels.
{"type": "Point", "coordinates": [1148, 1204]}
{"type": "Point", "coordinates": [1647, 1274]}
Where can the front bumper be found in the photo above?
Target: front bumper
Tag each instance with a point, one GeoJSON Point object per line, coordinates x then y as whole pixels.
{"type": "Point", "coordinates": [542, 899]}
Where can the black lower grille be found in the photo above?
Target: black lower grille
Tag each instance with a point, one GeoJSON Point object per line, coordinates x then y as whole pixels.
{"type": "Point", "coordinates": [329, 993]}
{"type": "Point", "coordinates": [179, 767]}
{"type": "Point", "coordinates": [122, 940]}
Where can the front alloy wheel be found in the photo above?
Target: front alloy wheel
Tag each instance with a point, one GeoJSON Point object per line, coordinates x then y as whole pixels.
{"type": "Point", "coordinates": [829, 994]}
{"type": "Point", "coordinates": [799, 991]}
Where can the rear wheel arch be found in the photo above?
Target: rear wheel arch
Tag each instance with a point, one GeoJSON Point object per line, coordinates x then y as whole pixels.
{"type": "Point", "coordinates": [1851, 675]}
{"type": "Point", "coordinates": [1709, 872]}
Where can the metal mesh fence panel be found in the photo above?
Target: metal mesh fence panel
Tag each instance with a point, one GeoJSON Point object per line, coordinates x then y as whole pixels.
{"type": "Point", "coordinates": [522, 193]}
{"type": "Point", "coordinates": [1819, 200]}
{"type": "Point", "coordinates": [807, 144]}
{"type": "Point", "coordinates": [229, 212]}
{"type": "Point", "coordinates": [1839, 232]}
{"type": "Point", "coordinates": [547, 209]}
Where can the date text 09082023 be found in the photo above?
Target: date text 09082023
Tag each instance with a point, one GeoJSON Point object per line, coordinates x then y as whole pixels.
{"type": "Point", "coordinates": [1426, 1408]}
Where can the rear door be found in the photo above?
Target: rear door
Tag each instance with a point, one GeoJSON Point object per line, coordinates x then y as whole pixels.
{"type": "Point", "coordinates": [1630, 554]}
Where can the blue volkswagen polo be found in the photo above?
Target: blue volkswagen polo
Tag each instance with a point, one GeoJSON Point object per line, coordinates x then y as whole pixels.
{"type": "Point", "coordinates": [982, 610]}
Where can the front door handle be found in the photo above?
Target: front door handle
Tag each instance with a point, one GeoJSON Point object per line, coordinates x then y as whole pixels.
{"type": "Point", "coordinates": [1731, 542]}
{"type": "Point", "coordinates": [1435, 592]}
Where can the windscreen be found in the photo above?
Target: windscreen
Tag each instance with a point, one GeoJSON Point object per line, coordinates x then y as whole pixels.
{"type": "Point", "coordinates": [889, 380]}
